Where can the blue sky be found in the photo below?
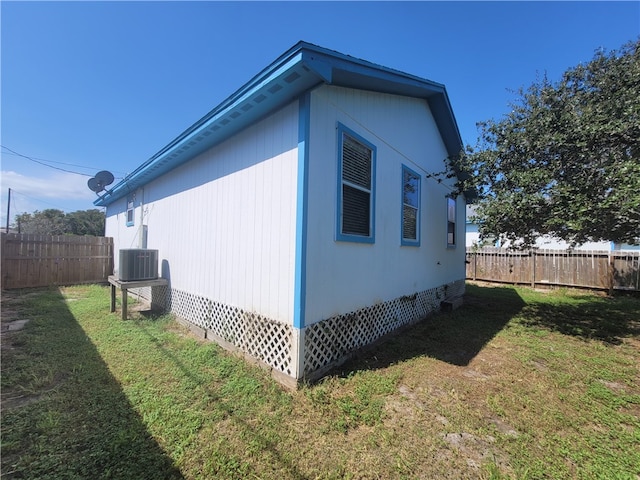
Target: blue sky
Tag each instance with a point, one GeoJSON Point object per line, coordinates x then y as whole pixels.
{"type": "Point", "coordinates": [104, 85]}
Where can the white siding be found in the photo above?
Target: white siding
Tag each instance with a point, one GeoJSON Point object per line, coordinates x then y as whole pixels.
{"type": "Point", "coordinates": [224, 223]}
{"type": "Point", "coordinates": [341, 276]}
{"type": "Point", "coordinates": [116, 227]}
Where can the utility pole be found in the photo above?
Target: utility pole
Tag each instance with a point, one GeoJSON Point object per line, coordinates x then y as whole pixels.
{"type": "Point", "coordinates": [8, 209]}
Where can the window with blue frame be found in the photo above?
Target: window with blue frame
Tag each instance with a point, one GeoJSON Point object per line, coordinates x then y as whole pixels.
{"type": "Point", "coordinates": [451, 222]}
{"type": "Point", "coordinates": [410, 207]}
{"type": "Point", "coordinates": [356, 188]}
{"type": "Point", "coordinates": [130, 209]}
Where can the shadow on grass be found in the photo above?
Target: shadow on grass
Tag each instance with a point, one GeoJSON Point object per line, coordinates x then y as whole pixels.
{"type": "Point", "coordinates": [600, 318]}
{"type": "Point", "coordinates": [74, 421]}
{"type": "Point", "coordinates": [455, 338]}
{"type": "Point", "coordinates": [232, 403]}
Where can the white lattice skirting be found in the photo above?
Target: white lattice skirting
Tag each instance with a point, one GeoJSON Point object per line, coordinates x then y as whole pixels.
{"type": "Point", "coordinates": [331, 341]}
{"type": "Point", "coordinates": [325, 344]}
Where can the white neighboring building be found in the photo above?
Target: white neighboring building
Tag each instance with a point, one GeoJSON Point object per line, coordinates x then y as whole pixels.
{"type": "Point", "coordinates": [472, 239]}
{"type": "Point", "coordinates": [297, 221]}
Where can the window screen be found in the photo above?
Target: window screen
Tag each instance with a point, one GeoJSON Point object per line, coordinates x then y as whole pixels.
{"type": "Point", "coordinates": [356, 189]}
{"type": "Point", "coordinates": [451, 222]}
{"type": "Point", "coordinates": [130, 210]}
{"type": "Point", "coordinates": [410, 207]}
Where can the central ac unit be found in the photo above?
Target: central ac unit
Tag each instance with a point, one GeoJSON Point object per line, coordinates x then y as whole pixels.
{"type": "Point", "coordinates": [138, 264]}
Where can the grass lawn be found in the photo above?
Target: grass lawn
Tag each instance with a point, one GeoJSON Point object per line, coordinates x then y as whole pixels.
{"type": "Point", "coordinates": [516, 384]}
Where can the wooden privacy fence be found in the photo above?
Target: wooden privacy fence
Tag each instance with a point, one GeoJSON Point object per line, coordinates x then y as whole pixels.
{"type": "Point", "coordinates": [616, 270]}
{"type": "Point", "coordinates": [43, 260]}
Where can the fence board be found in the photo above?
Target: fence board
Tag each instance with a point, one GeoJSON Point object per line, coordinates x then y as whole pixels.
{"type": "Point", "coordinates": [585, 269]}
{"type": "Point", "coordinates": [39, 260]}
{"type": "Point", "coordinates": [626, 271]}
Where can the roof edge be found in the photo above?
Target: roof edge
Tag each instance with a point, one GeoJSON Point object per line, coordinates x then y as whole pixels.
{"type": "Point", "coordinates": [298, 69]}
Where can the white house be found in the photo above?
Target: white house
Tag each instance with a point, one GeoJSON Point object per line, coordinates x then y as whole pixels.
{"type": "Point", "coordinates": [545, 242]}
{"type": "Point", "coordinates": [298, 220]}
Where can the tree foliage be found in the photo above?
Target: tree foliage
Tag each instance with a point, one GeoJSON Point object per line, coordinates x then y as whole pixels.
{"type": "Point", "coordinates": [86, 222]}
{"type": "Point", "coordinates": [56, 222]}
{"type": "Point", "coordinates": [565, 161]}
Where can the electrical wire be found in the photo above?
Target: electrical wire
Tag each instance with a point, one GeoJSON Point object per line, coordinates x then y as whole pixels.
{"type": "Point", "coordinates": [11, 152]}
{"type": "Point", "coordinates": [437, 177]}
{"type": "Point", "coordinates": [36, 199]}
{"type": "Point", "coordinates": [42, 162]}
{"type": "Point", "coordinates": [45, 164]}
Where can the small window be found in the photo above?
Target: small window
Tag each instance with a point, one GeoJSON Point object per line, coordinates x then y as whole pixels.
{"type": "Point", "coordinates": [451, 222]}
{"type": "Point", "coordinates": [356, 188]}
{"type": "Point", "coordinates": [130, 210]}
{"type": "Point", "coordinates": [410, 207]}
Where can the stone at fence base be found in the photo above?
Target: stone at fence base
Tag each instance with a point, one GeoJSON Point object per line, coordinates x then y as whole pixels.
{"type": "Point", "coordinates": [16, 325]}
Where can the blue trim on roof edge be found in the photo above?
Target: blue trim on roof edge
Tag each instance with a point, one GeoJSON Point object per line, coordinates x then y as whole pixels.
{"type": "Point", "coordinates": [295, 72]}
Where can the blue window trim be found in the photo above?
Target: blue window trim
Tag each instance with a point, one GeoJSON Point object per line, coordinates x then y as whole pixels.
{"type": "Point", "coordinates": [407, 241]}
{"type": "Point", "coordinates": [455, 222]}
{"type": "Point", "coordinates": [130, 200]}
{"type": "Point", "coordinates": [342, 237]}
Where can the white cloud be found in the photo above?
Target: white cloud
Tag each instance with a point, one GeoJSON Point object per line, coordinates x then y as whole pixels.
{"type": "Point", "coordinates": [65, 186]}
{"type": "Point", "coordinates": [63, 191]}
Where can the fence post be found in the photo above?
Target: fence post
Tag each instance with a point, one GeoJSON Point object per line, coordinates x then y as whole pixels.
{"type": "Point", "coordinates": [3, 265]}
{"type": "Point", "coordinates": [611, 269]}
{"type": "Point", "coordinates": [533, 268]}
{"type": "Point", "coordinates": [475, 265]}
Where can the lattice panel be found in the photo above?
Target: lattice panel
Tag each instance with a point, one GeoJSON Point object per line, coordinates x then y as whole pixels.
{"type": "Point", "coordinates": [194, 308]}
{"type": "Point", "coordinates": [326, 342]}
{"type": "Point", "coordinates": [333, 339]}
{"type": "Point", "coordinates": [155, 296]}
{"type": "Point", "coordinates": [269, 341]}
{"type": "Point", "coordinates": [159, 297]}
{"type": "Point", "coordinates": [142, 292]}
{"type": "Point", "coordinates": [254, 334]}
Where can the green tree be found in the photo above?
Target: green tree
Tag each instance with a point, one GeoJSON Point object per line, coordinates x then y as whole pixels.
{"type": "Point", "coordinates": [47, 222]}
{"type": "Point", "coordinates": [56, 222]}
{"type": "Point", "coordinates": [85, 222]}
{"type": "Point", "coordinates": [565, 161]}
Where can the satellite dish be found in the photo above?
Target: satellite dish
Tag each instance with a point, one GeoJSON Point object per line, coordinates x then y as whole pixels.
{"type": "Point", "coordinates": [93, 185]}
{"type": "Point", "coordinates": [100, 181]}
{"type": "Point", "coordinates": [104, 178]}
